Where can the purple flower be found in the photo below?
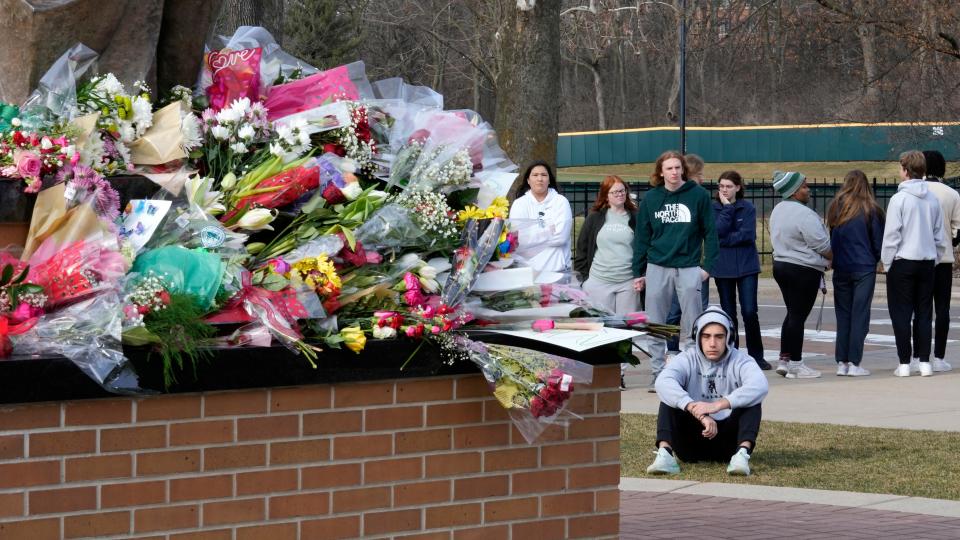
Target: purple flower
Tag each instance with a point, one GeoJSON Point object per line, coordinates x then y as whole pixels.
{"type": "Point", "coordinates": [89, 185]}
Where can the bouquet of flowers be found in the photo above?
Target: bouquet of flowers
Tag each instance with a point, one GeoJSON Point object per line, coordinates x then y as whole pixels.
{"type": "Point", "coordinates": [433, 216]}
{"type": "Point", "coordinates": [232, 135]}
{"type": "Point", "coordinates": [533, 386]}
{"type": "Point", "coordinates": [31, 155]}
{"type": "Point", "coordinates": [21, 302]}
{"type": "Point", "coordinates": [478, 243]}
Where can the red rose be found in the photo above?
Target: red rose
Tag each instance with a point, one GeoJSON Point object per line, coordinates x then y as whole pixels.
{"type": "Point", "coordinates": [333, 148]}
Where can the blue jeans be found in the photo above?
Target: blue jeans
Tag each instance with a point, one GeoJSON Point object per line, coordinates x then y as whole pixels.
{"type": "Point", "coordinates": [852, 297]}
{"type": "Point", "coordinates": [747, 285]}
{"type": "Point", "coordinates": [675, 313]}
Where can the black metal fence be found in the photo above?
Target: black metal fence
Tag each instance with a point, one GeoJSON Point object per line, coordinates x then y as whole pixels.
{"type": "Point", "coordinates": [582, 196]}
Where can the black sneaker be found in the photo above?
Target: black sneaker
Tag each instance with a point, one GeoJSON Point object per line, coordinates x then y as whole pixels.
{"type": "Point", "coordinates": [764, 365]}
{"type": "Point", "coordinates": [623, 385]}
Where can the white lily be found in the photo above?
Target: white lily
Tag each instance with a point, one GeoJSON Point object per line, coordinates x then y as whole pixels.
{"type": "Point", "coordinates": [229, 180]}
{"type": "Point", "coordinates": [198, 193]}
{"type": "Point", "coordinates": [257, 219]}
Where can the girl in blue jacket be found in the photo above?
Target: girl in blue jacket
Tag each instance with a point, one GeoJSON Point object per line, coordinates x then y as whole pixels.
{"type": "Point", "coordinates": [738, 265]}
{"type": "Point", "coordinates": [856, 235]}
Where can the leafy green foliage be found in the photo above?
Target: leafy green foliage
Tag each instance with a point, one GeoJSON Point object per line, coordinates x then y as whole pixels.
{"type": "Point", "coordinates": [182, 334]}
{"type": "Point", "coordinates": [323, 33]}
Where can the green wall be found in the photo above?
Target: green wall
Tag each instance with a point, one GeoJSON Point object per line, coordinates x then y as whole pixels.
{"type": "Point", "coordinates": [762, 144]}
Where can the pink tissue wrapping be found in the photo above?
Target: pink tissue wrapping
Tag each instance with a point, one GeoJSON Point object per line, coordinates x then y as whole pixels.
{"type": "Point", "coordinates": [310, 92]}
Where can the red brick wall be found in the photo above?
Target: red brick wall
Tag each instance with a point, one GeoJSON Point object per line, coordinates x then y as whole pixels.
{"type": "Point", "coordinates": [417, 458]}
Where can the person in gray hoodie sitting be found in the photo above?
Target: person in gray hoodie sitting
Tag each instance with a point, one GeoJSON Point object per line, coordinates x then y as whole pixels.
{"type": "Point", "coordinates": [710, 399]}
{"type": "Point", "coordinates": [912, 244]}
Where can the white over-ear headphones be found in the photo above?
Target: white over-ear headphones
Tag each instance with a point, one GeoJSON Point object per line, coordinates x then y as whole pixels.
{"type": "Point", "coordinates": [731, 338]}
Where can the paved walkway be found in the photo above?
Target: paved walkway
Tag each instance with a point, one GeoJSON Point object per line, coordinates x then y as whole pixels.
{"type": "Point", "coordinates": [672, 514]}
{"type": "Point", "coordinates": [655, 508]}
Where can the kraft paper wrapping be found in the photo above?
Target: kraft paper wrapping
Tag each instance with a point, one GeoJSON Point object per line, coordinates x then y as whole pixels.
{"type": "Point", "coordinates": [85, 125]}
{"type": "Point", "coordinates": [52, 219]}
{"type": "Point", "coordinates": [162, 141]}
{"type": "Point", "coordinates": [170, 181]}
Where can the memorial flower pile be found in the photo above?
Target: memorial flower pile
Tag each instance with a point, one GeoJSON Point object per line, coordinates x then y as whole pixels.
{"type": "Point", "coordinates": [311, 214]}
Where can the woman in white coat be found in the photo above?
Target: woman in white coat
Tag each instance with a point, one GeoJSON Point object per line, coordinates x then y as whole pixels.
{"type": "Point", "coordinates": [543, 220]}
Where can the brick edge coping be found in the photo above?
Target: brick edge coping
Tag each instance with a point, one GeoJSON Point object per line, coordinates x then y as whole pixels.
{"type": "Point", "coordinates": [868, 501]}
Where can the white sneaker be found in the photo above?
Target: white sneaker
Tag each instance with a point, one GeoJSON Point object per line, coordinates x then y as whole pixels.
{"type": "Point", "coordinates": [914, 365]}
{"type": "Point", "coordinates": [903, 370]}
{"type": "Point", "coordinates": [739, 463]}
{"type": "Point", "coordinates": [926, 369]}
{"type": "Point", "coordinates": [843, 369]}
{"type": "Point", "coordinates": [782, 367]}
{"type": "Point", "coordinates": [941, 365]}
{"type": "Point", "coordinates": [857, 371]}
{"type": "Point", "coordinates": [664, 463]}
{"type": "Point", "coordinates": [799, 370]}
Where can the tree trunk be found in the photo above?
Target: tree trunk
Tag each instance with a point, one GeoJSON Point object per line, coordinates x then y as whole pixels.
{"type": "Point", "coordinates": [265, 13]}
{"type": "Point", "coordinates": [528, 84]}
{"type": "Point", "coordinates": [621, 87]}
{"type": "Point", "coordinates": [598, 96]}
{"type": "Point", "coordinates": [867, 34]}
{"type": "Point", "coordinates": [871, 94]}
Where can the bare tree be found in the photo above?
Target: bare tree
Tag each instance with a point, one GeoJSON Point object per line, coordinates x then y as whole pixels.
{"type": "Point", "coordinates": [265, 13]}
{"type": "Point", "coordinates": [528, 82]}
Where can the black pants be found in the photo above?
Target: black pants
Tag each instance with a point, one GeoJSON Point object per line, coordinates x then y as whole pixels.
{"type": "Point", "coordinates": [910, 302]}
{"type": "Point", "coordinates": [684, 433]}
{"type": "Point", "coordinates": [799, 286]}
{"type": "Point", "coordinates": [942, 284]}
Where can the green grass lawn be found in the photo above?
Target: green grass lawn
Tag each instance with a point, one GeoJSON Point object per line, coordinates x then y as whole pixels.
{"type": "Point", "coordinates": [812, 169]}
{"type": "Point", "coordinates": [821, 456]}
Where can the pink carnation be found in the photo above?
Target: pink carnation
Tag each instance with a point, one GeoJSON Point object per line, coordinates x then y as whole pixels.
{"type": "Point", "coordinates": [411, 281]}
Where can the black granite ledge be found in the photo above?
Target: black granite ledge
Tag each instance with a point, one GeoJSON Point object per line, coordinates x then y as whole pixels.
{"type": "Point", "coordinates": [17, 206]}
{"type": "Point", "coordinates": [55, 378]}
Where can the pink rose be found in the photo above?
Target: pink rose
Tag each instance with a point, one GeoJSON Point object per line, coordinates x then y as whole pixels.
{"type": "Point", "coordinates": [28, 164]}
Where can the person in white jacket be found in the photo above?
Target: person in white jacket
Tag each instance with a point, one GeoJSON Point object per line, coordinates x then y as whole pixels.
{"type": "Point", "coordinates": [543, 220]}
{"type": "Point", "coordinates": [710, 398]}
{"type": "Point", "coordinates": [942, 273]}
{"type": "Point", "coordinates": [912, 245]}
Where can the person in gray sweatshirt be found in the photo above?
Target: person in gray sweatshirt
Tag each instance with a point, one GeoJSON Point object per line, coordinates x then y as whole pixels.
{"type": "Point", "coordinates": [801, 254]}
{"type": "Point", "coordinates": [710, 399]}
{"type": "Point", "coordinates": [912, 244]}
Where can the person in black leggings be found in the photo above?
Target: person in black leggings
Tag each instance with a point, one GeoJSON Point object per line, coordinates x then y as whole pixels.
{"type": "Point", "coordinates": [801, 254]}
